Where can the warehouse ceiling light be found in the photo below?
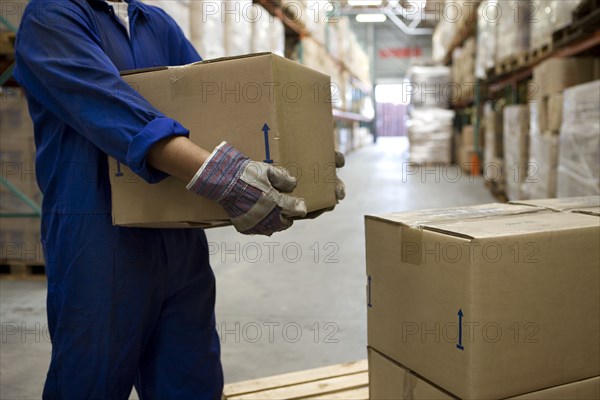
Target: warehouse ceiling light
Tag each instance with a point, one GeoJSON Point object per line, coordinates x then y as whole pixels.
{"type": "Point", "coordinates": [359, 3]}
{"type": "Point", "coordinates": [371, 18]}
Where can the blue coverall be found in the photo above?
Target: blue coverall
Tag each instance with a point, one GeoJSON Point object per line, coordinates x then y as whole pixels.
{"type": "Point", "coordinates": [125, 306]}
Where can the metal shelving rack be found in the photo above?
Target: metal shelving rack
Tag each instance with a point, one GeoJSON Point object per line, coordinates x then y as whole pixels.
{"type": "Point", "coordinates": [511, 87]}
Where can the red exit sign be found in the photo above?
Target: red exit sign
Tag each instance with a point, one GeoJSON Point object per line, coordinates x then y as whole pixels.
{"type": "Point", "coordinates": [400, 52]}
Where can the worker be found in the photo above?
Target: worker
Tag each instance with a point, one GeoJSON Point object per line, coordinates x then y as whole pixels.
{"type": "Point", "coordinates": [127, 306]}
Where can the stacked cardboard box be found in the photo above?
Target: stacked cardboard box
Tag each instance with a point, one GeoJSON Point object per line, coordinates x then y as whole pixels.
{"type": "Point", "coordinates": [516, 149]}
{"type": "Point", "coordinates": [550, 79]}
{"type": "Point", "coordinates": [466, 149]}
{"type": "Point", "coordinates": [579, 149]}
{"type": "Point", "coordinates": [463, 72]}
{"type": "Point", "coordinates": [540, 182]}
{"type": "Point", "coordinates": [493, 154]}
{"type": "Point", "coordinates": [19, 237]}
{"type": "Point", "coordinates": [484, 302]}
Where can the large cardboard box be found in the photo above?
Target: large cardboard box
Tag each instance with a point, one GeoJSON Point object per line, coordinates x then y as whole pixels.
{"type": "Point", "coordinates": [264, 105]}
{"type": "Point", "coordinates": [555, 112]}
{"type": "Point", "coordinates": [489, 301]}
{"type": "Point", "coordinates": [556, 74]}
{"type": "Point", "coordinates": [389, 380]}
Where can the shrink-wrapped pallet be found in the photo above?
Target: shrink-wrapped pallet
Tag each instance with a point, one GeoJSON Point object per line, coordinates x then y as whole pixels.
{"type": "Point", "coordinates": [579, 151]}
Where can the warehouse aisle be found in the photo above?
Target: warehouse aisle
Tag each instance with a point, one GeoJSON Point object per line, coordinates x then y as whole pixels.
{"type": "Point", "coordinates": [289, 302]}
{"type": "Point", "coordinates": [297, 300]}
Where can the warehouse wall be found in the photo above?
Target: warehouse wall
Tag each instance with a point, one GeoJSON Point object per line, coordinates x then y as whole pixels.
{"type": "Point", "coordinates": [390, 39]}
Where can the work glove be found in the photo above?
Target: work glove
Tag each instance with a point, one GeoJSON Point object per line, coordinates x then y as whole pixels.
{"type": "Point", "coordinates": [252, 193]}
{"type": "Point", "coordinates": [340, 187]}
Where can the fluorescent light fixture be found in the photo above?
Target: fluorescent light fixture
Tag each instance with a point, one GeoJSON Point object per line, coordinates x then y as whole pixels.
{"type": "Point", "coordinates": [359, 3]}
{"type": "Point", "coordinates": [371, 18]}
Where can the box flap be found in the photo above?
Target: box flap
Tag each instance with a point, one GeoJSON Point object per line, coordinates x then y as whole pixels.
{"type": "Point", "coordinates": [589, 204]}
{"type": "Point", "coordinates": [423, 218]}
{"type": "Point", "coordinates": [485, 221]}
{"type": "Point", "coordinates": [214, 60]}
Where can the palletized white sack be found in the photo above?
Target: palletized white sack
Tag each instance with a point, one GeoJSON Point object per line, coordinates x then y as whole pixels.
{"type": "Point", "coordinates": [207, 28]}
{"type": "Point", "coordinates": [261, 21]}
{"type": "Point", "coordinates": [516, 148]}
{"type": "Point", "coordinates": [486, 39]}
{"type": "Point", "coordinates": [513, 28]}
{"type": "Point", "coordinates": [179, 10]}
{"type": "Point", "coordinates": [237, 15]}
{"type": "Point", "coordinates": [277, 37]}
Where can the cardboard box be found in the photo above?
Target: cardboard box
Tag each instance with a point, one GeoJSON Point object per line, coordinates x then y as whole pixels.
{"type": "Point", "coordinates": [468, 136]}
{"type": "Point", "coordinates": [389, 380]}
{"type": "Point", "coordinates": [233, 99]}
{"type": "Point", "coordinates": [554, 112]}
{"type": "Point", "coordinates": [17, 166]}
{"type": "Point", "coordinates": [20, 241]}
{"type": "Point", "coordinates": [556, 74]}
{"type": "Point", "coordinates": [465, 158]}
{"type": "Point", "coordinates": [489, 301]}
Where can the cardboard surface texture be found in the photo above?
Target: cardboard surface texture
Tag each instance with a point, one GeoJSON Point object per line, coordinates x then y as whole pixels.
{"type": "Point", "coordinates": [232, 99]}
{"type": "Point", "coordinates": [389, 380]}
{"type": "Point", "coordinates": [584, 204]}
{"type": "Point", "coordinates": [520, 283]}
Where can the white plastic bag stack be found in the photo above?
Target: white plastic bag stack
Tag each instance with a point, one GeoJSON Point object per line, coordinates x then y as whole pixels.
{"type": "Point", "coordinates": [207, 29]}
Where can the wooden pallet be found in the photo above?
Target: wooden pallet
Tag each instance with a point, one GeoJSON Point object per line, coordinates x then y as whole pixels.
{"type": "Point", "coordinates": [541, 52]}
{"type": "Point", "coordinates": [349, 381]}
{"type": "Point", "coordinates": [512, 63]}
{"type": "Point", "coordinates": [18, 269]}
{"type": "Point", "coordinates": [586, 19]}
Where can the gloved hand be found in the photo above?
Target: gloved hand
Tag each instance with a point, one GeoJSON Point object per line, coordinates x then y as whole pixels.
{"type": "Point", "coordinates": [251, 192]}
{"type": "Point", "coordinates": [340, 188]}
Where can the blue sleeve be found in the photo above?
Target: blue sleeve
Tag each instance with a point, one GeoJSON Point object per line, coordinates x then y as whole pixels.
{"type": "Point", "coordinates": [60, 63]}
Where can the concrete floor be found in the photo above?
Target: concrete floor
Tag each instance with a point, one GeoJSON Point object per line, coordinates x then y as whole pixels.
{"type": "Point", "coordinates": [285, 303]}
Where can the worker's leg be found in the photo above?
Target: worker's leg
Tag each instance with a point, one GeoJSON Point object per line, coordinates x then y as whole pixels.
{"type": "Point", "coordinates": [182, 361]}
{"type": "Point", "coordinates": [105, 288]}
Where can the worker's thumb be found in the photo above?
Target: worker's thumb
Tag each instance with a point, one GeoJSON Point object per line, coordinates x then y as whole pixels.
{"type": "Point", "coordinates": [281, 179]}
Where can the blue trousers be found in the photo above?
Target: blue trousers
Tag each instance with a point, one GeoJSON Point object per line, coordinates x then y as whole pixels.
{"type": "Point", "coordinates": [129, 307]}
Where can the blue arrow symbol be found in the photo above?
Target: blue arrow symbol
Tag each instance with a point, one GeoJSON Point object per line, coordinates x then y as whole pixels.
{"type": "Point", "coordinates": [460, 317]}
{"type": "Point", "coordinates": [119, 173]}
{"type": "Point", "coordinates": [369, 292]}
{"type": "Point", "coordinates": [265, 130]}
